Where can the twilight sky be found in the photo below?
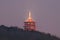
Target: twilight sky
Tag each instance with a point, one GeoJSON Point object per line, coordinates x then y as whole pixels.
{"type": "Point", "coordinates": [46, 13]}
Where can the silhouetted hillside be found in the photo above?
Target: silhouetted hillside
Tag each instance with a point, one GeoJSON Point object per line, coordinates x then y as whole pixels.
{"type": "Point", "coordinates": [14, 33]}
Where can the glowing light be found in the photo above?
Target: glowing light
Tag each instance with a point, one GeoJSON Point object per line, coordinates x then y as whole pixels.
{"type": "Point", "coordinates": [29, 15]}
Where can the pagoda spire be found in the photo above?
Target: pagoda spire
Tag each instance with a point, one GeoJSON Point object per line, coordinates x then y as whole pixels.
{"type": "Point", "coordinates": [30, 17]}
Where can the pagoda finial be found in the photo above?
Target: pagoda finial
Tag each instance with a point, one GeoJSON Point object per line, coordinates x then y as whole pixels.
{"type": "Point", "coordinates": [29, 15]}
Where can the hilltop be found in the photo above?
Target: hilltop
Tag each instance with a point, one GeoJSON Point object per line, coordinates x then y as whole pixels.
{"type": "Point", "coordinates": [15, 33]}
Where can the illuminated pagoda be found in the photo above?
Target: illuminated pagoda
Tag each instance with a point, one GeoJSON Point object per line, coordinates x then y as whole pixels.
{"type": "Point", "coordinates": [29, 24]}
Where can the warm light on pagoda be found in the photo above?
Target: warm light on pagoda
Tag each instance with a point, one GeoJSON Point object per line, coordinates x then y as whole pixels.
{"type": "Point", "coordinates": [29, 17]}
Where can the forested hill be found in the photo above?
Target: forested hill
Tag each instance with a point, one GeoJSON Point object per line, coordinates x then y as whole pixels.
{"type": "Point", "coordinates": [14, 33]}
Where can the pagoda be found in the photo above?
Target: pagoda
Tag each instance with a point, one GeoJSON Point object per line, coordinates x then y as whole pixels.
{"type": "Point", "coordinates": [29, 24]}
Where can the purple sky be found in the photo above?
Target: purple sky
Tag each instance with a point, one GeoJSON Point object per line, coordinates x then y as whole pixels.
{"type": "Point", "coordinates": [46, 13]}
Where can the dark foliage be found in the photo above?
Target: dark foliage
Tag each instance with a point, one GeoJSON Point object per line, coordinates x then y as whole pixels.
{"type": "Point", "coordinates": [14, 33]}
